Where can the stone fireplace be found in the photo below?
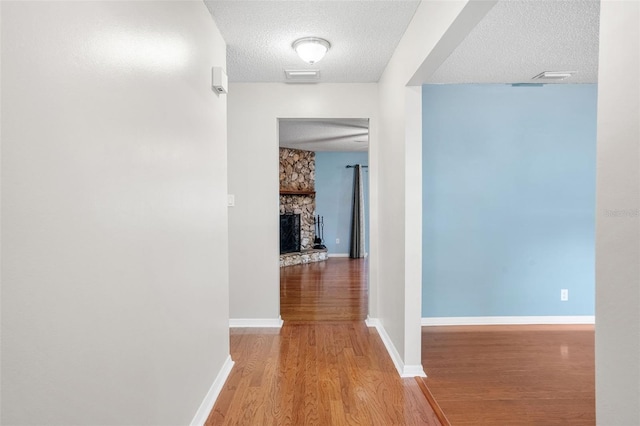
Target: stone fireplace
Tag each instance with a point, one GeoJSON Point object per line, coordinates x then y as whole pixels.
{"type": "Point", "coordinates": [298, 197]}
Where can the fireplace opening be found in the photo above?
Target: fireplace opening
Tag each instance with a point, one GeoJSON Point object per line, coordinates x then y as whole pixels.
{"type": "Point", "coordinates": [289, 233]}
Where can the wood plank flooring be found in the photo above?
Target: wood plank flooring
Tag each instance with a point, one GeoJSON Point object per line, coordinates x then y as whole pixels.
{"type": "Point", "coordinates": [320, 373]}
{"type": "Point", "coordinates": [335, 290]}
{"type": "Point", "coordinates": [512, 375]}
{"type": "Point", "coordinates": [325, 366]}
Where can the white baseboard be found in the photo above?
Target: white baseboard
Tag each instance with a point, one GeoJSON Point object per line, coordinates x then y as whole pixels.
{"type": "Point", "coordinates": [337, 254]}
{"type": "Point", "coordinates": [539, 320]}
{"type": "Point", "coordinates": [403, 370]}
{"type": "Point", "coordinates": [371, 322]}
{"type": "Point", "coordinates": [256, 322]}
{"type": "Point", "coordinates": [413, 371]}
{"type": "Point", "coordinates": [343, 255]}
{"type": "Point", "coordinates": [210, 399]}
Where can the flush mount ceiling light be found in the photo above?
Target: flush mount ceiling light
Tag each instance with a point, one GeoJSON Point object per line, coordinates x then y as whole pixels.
{"type": "Point", "coordinates": [554, 75]}
{"type": "Point", "coordinates": [311, 49]}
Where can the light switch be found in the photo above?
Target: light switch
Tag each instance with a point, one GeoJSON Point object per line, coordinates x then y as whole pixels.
{"type": "Point", "coordinates": [231, 200]}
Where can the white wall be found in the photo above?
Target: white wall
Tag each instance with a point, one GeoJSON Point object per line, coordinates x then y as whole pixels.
{"type": "Point", "coordinates": [254, 109]}
{"type": "Point", "coordinates": [617, 217]}
{"type": "Point", "coordinates": [114, 217]}
{"type": "Point", "coordinates": [434, 30]}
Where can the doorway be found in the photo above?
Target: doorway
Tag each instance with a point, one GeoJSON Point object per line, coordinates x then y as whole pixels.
{"type": "Point", "coordinates": [321, 163]}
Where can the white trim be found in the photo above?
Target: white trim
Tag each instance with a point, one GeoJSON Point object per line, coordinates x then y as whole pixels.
{"type": "Point", "coordinates": [256, 322]}
{"type": "Point", "coordinates": [210, 399]}
{"type": "Point", "coordinates": [403, 370]}
{"type": "Point", "coordinates": [584, 319]}
{"type": "Point", "coordinates": [337, 254]}
{"type": "Point", "coordinates": [343, 255]}
{"type": "Point", "coordinates": [413, 371]}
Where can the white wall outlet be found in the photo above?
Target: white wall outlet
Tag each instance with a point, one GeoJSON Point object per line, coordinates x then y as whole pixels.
{"type": "Point", "coordinates": [337, 240]}
{"type": "Point", "coordinates": [564, 295]}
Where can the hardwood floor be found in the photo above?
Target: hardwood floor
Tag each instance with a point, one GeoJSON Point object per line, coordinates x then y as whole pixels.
{"type": "Point", "coordinates": [335, 290]}
{"type": "Point", "coordinates": [320, 373]}
{"type": "Point", "coordinates": [512, 375]}
{"type": "Point", "coordinates": [324, 367]}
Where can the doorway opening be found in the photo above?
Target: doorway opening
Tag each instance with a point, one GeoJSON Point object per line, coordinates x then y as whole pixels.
{"type": "Point", "coordinates": [323, 170]}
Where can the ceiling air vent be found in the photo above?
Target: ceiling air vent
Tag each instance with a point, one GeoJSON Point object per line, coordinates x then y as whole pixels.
{"type": "Point", "coordinates": [302, 76]}
{"type": "Point", "coordinates": [554, 75]}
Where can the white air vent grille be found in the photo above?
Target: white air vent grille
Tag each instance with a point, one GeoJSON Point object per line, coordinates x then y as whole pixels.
{"type": "Point", "coordinates": [554, 75]}
{"type": "Point", "coordinates": [302, 76]}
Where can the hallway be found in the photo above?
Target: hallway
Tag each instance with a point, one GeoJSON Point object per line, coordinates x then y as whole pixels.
{"type": "Point", "coordinates": [325, 366]}
{"type": "Point", "coordinates": [335, 290]}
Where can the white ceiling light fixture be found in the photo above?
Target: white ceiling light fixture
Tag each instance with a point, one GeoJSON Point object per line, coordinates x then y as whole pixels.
{"type": "Point", "coordinates": [311, 49]}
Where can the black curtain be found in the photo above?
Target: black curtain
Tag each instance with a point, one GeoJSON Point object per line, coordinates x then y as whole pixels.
{"type": "Point", "coordinates": [356, 245]}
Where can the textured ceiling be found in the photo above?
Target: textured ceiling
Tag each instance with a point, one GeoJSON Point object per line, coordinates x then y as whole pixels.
{"type": "Point", "coordinates": [325, 134]}
{"type": "Point", "coordinates": [520, 39]}
{"type": "Point", "coordinates": [516, 40]}
{"type": "Point", "coordinates": [259, 34]}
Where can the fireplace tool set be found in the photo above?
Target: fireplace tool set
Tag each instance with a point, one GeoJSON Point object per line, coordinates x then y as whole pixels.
{"type": "Point", "coordinates": [318, 222]}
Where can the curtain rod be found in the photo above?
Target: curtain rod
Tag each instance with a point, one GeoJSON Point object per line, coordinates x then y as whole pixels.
{"type": "Point", "coordinates": [351, 166]}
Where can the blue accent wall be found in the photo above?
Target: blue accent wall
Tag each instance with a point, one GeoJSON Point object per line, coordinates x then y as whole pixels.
{"type": "Point", "coordinates": [508, 200]}
{"type": "Point", "coordinates": [334, 192]}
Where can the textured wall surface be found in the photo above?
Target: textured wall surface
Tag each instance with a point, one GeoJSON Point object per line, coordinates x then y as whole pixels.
{"type": "Point", "coordinates": [509, 200]}
{"type": "Point", "coordinates": [297, 169]}
{"type": "Point", "coordinates": [297, 172]}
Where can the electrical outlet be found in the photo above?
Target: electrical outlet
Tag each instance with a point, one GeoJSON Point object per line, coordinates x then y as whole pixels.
{"type": "Point", "coordinates": [337, 240]}
{"type": "Point", "coordinates": [564, 295]}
